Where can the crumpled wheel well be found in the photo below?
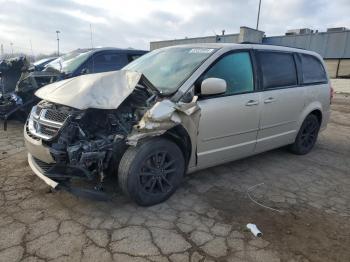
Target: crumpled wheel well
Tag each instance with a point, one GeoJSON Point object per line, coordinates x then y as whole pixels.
{"type": "Point", "coordinates": [176, 134]}
{"type": "Point", "coordinates": [179, 135]}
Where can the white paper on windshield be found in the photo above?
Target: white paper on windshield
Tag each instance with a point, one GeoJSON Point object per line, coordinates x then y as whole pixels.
{"type": "Point", "coordinates": [201, 50]}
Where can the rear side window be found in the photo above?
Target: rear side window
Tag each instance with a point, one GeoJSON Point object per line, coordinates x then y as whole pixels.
{"type": "Point", "coordinates": [109, 62]}
{"type": "Point", "coordinates": [313, 70]}
{"type": "Point", "coordinates": [278, 69]}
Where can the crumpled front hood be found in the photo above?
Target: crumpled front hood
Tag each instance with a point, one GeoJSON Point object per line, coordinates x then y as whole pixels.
{"type": "Point", "coordinates": [102, 91]}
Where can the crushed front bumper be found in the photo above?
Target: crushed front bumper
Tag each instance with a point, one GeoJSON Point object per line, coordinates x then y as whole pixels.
{"type": "Point", "coordinates": [40, 172]}
{"type": "Point", "coordinates": [54, 174]}
{"type": "Point", "coordinates": [39, 168]}
{"type": "Point", "coordinates": [58, 177]}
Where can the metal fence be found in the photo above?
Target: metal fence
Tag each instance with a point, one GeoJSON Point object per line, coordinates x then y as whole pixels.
{"type": "Point", "coordinates": [330, 45]}
{"type": "Point", "coordinates": [232, 38]}
{"type": "Point", "coordinates": [338, 68]}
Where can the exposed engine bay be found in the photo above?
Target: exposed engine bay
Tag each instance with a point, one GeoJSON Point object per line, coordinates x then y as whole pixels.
{"type": "Point", "coordinates": [83, 143]}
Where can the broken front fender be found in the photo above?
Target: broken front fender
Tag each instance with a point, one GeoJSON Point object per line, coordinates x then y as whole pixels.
{"type": "Point", "coordinates": [165, 115]}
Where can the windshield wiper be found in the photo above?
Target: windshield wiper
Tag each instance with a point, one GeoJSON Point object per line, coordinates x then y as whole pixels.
{"type": "Point", "coordinates": [60, 63]}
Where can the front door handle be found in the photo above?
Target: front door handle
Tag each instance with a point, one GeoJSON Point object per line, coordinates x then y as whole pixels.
{"type": "Point", "coordinates": [252, 103]}
{"type": "Point", "coordinates": [270, 100]}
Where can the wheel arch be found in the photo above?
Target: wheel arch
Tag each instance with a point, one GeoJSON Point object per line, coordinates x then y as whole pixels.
{"type": "Point", "coordinates": [315, 109]}
{"type": "Point", "coordinates": [179, 135]}
{"type": "Point", "coordinates": [318, 114]}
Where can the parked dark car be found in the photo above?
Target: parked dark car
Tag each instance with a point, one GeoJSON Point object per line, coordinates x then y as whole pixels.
{"type": "Point", "coordinates": [40, 64]}
{"type": "Point", "coordinates": [75, 63]}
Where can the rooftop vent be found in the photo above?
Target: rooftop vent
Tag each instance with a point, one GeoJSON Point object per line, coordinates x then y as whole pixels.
{"type": "Point", "coordinates": [300, 31]}
{"type": "Point", "coordinates": [337, 29]}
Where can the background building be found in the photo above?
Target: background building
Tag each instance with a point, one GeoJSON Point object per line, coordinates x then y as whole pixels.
{"type": "Point", "coordinates": [333, 45]}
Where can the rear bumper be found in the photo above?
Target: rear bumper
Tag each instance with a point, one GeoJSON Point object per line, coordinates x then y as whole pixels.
{"type": "Point", "coordinates": [40, 172]}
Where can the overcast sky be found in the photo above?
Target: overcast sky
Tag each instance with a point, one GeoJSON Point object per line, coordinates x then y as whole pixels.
{"type": "Point", "coordinates": [128, 23]}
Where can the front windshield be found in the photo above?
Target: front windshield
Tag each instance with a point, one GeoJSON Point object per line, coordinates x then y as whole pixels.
{"type": "Point", "coordinates": [69, 62]}
{"type": "Point", "coordinates": [168, 68]}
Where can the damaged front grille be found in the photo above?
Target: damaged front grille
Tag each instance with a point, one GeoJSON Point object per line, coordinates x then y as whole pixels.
{"type": "Point", "coordinates": [56, 116]}
{"type": "Point", "coordinates": [45, 123]}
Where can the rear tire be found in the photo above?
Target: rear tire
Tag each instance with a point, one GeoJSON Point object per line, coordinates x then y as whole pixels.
{"type": "Point", "coordinates": [151, 172]}
{"type": "Point", "coordinates": [307, 136]}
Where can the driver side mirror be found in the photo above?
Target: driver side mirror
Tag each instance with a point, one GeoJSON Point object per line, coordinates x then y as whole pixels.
{"type": "Point", "coordinates": [213, 86]}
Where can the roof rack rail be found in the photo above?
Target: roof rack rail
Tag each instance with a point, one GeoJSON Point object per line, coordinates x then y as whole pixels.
{"type": "Point", "coordinates": [252, 43]}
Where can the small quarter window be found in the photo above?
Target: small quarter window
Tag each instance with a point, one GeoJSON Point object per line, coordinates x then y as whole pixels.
{"type": "Point", "coordinates": [313, 70]}
{"type": "Point", "coordinates": [132, 57]}
{"type": "Point", "coordinates": [236, 70]}
{"type": "Point", "coordinates": [278, 69]}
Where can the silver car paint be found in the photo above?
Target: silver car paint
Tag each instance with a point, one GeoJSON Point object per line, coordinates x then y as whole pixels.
{"type": "Point", "coordinates": [226, 129]}
{"type": "Point", "coordinates": [280, 110]}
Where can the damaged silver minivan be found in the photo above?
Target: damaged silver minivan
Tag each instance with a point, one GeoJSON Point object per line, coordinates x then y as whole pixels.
{"type": "Point", "coordinates": [173, 111]}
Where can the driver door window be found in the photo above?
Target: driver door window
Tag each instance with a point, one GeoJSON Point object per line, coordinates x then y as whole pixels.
{"type": "Point", "coordinates": [236, 69]}
{"type": "Point", "coordinates": [229, 122]}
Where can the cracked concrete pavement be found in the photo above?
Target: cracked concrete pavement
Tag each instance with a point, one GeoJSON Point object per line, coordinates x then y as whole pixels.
{"type": "Point", "coordinates": [205, 219]}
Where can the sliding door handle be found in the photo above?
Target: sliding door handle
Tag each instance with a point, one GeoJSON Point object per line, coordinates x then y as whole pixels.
{"type": "Point", "coordinates": [252, 103]}
{"type": "Point", "coordinates": [269, 100]}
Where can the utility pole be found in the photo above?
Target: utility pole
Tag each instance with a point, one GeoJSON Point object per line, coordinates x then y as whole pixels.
{"type": "Point", "coordinates": [257, 21]}
{"type": "Point", "coordinates": [58, 43]}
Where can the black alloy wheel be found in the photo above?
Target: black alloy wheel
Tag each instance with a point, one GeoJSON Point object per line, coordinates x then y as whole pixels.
{"type": "Point", "coordinates": [151, 172]}
{"type": "Point", "coordinates": [157, 172]}
{"type": "Point", "coordinates": [307, 135]}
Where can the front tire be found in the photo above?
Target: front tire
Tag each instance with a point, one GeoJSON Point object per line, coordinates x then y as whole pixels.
{"type": "Point", "coordinates": [151, 172]}
{"type": "Point", "coordinates": [307, 136]}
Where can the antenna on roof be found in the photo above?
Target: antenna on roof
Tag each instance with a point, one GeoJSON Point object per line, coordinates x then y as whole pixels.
{"type": "Point", "coordinates": [217, 37]}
